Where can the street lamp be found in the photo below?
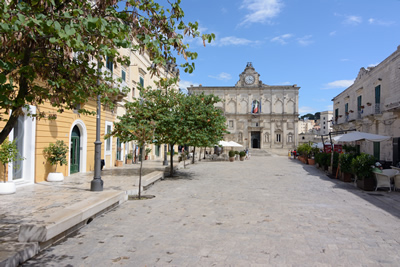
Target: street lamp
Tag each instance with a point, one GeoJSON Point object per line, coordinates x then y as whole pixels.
{"type": "Point", "coordinates": [167, 69]}
{"type": "Point", "coordinates": [97, 184]}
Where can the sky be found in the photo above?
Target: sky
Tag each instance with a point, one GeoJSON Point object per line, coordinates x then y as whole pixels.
{"type": "Point", "coordinates": [320, 45]}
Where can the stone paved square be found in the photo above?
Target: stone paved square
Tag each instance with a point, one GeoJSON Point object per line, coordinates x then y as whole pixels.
{"type": "Point", "coordinates": [266, 211]}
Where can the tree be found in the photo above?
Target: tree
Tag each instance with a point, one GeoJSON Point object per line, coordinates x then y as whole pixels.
{"type": "Point", "coordinates": [53, 51]}
{"type": "Point", "coordinates": [204, 122]}
{"type": "Point", "coordinates": [138, 124]}
{"type": "Point", "coordinates": [8, 154]}
{"type": "Point", "coordinates": [307, 116]}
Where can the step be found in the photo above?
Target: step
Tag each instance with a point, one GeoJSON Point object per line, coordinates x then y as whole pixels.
{"type": "Point", "coordinates": [45, 229]}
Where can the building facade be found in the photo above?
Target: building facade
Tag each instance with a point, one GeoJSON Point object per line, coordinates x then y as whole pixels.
{"type": "Point", "coordinates": [372, 105]}
{"type": "Point", "coordinates": [78, 131]}
{"type": "Point", "coordinates": [326, 122]}
{"type": "Point", "coordinates": [259, 116]}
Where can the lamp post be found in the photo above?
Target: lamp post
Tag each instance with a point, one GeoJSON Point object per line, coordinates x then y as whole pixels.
{"type": "Point", "coordinates": [167, 67]}
{"type": "Point", "coordinates": [97, 184]}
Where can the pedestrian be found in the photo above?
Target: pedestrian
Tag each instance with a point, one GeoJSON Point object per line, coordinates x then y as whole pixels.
{"type": "Point", "coordinates": [294, 154]}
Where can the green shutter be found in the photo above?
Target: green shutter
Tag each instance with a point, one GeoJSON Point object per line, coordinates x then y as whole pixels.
{"type": "Point", "coordinates": [377, 150]}
{"type": "Point", "coordinates": [378, 94]}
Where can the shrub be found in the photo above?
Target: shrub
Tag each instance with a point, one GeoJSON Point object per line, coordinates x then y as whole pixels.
{"type": "Point", "coordinates": [231, 153]}
{"type": "Point", "coordinates": [363, 165]}
{"type": "Point", "coordinates": [56, 153]}
{"type": "Point", "coordinates": [242, 153]}
{"type": "Point", "coordinates": [236, 152]}
{"type": "Point", "coordinates": [345, 162]}
{"type": "Point", "coordinates": [8, 153]}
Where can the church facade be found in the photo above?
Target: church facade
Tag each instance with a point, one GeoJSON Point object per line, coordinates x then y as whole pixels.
{"type": "Point", "coordinates": [258, 115]}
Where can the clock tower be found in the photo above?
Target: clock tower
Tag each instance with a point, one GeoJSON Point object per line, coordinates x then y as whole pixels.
{"type": "Point", "coordinates": [249, 77]}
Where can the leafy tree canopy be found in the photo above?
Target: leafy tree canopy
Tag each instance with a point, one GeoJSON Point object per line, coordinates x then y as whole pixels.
{"type": "Point", "coordinates": [54, 50]}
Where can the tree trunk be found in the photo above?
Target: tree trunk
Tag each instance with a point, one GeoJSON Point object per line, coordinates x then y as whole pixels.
{"type": "Point", "coordinates": [140, 173]}
{"type": "Point", "coordinates": [171, 171]}
{"type": "Point", "coordinates": [23, 90]}
{"type": "Point", "coordinates": [194, 150]}
{"type": "Point", "coordinates": [200, 153]}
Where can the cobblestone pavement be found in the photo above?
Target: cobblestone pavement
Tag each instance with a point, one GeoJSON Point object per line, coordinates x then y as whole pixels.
{"type": "Point", "coordinates": [267, 211]}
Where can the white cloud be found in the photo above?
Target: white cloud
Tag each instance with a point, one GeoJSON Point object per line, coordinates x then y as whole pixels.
{"type": "Point", "coordinates": [305, 40]}
{"type": "Point", "coordinates": [380, 22]}
{"type": "Point", "coordinates": [286, 83]}
{"type": "Point", "coordinates": [232, 40]}
{"type": "Point", "coordinates": [344, 59]}
{"type": "Point", "coordinates": [353, 20]}
{"type": "Point", "coordinates": [372, 65]}
{"type": "Point", "coordinates": [186, 84]}
{"type": "Point", "coordinates": [260, 11]}
{"type": "Point", "coordinates": [282, 39]}
{"type": "Point", "coordinates": [305, 110]}
{"type": "Point", "coordinates": [338, 84]}
{"type": "Point", "coordinates": [223, 76]}
{"type": "Point", "coordinates": [333, 33]}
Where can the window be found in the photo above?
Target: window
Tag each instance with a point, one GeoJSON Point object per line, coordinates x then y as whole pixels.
{"type": "Point", "coordinates": [378, 99]}
{"type": "Point", "coordinates": [231, 124]}
{"type": "Point", "coordinates": [278, 138]}
{"type": "Point", "coordinates": [359, 99]}
{"type": "Point", "coordinates": [108, 145]}
{"type": "Point", "coordinates": [336, 114]}
{"type": "Point", "coordinates": [141, 81]}
{"type": "Point", "coordinates": [109, 64]}
{"type": "Point", "coordinates": [346, 108]}
{"type": "Point", "coordinates": [123, 75]}
{"type": "Point", "coordinates": [377, 150]}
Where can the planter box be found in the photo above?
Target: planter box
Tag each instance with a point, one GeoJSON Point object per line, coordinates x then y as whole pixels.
{"type": "Point", "coordinates": [366, 184]}
{"type": "Point", "coordinates": [345, 177]}
{"type": "Point", "coordinates": [119, 163]}
{"type": "Point", "coordinates": [55, 177]}
{"type": "Point", "coordinates": [311, 161]}
{"type": "Point", "coordinates": [7, 188]}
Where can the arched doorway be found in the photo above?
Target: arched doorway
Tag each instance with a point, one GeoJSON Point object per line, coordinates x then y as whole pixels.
{"type": "Point", "coordinates": [75, 150]}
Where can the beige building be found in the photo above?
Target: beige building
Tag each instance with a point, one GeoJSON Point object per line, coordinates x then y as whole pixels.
{"type": "Point", "coordinates": [372, 105]}
{"type": "Point", "coordinates": [259, 116]}
{"type": "Point", "coordinates": [326, 122]}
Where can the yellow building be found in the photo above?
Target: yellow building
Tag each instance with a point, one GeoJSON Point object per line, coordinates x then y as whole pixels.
{"type": "Point", "coordinates": [79, 131]}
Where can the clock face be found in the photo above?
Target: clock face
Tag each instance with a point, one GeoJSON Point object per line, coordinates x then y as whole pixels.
{"type": "Point", "coordinates": [249, 79]}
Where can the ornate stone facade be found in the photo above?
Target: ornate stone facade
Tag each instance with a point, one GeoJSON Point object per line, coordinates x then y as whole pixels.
{"type": "Point", "coordinates": [258, 115]}
{"type": "Point", "coordinates": [372, 104]}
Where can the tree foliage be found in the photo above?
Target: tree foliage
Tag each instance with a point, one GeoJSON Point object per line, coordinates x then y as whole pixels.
{"type": "Point", "coordinates": [170, 117]}
{"type": "Point", "coordinates": [54, 50]}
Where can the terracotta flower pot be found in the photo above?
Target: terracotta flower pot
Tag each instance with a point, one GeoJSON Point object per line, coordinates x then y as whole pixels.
{"type": "Point", "coordinates": [232, 159]}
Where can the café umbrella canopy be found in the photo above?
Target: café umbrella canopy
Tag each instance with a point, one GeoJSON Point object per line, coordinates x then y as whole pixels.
{"type": "Point", "coordinates": [234, 144]}
{"type": "Point", "coordinates": [360, 136]}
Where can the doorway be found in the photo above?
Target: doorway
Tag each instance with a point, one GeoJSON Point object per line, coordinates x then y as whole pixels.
{"type": "Point", "coordinates": [255, 140]}
{"type": "Point", "coordinates": [75, 150]}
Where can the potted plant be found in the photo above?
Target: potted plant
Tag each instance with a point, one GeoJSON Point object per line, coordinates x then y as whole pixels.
{"type": "Point", "coordinates": [231, 156]}
{"type": "Point", "coordinates": [311, 157]}
{"type": "Point", "coordinates": [8, 154]}
{"type": "Point", "coordinates": [129, 158]}
{"type": "Point", "coordinates": [362, 168]}
{"type": "Point", "coordinates": [351, 111]}
{"type": "Point", "coordinates": [345, 160]}
{"type": "Point", "coordinates": [242, 155]}
{"type": "Point", "coordinates": [236, 154]}
{"type": "Point", "coordinates": [369, 104]}
{"type": "Point", "coordinates": [56, 154]}
{"type": "Point", "coordinates": [147, 152]}
{"type": "Point", "coordinates": [362, 107]}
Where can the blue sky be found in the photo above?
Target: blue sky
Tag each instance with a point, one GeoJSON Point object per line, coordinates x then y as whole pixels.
{"type": "Point", "coordinates": [320, 45]}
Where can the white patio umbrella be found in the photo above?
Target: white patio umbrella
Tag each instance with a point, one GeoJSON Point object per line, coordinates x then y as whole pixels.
{"type": "Point", "coordinates": [223, 143]}
{"type": "Point", "coordinates": [234, 144]}
{"type": "Point", "coordinates": [358, 136]}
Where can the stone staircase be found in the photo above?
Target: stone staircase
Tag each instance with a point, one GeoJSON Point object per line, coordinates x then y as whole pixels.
{"type": "Point", "coordinates": [259, 152]}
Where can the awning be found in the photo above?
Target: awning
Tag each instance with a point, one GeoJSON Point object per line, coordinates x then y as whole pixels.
{"type": "Point", "coordinates": [223, 143]}
{"type": "Point", "coordinates": [359, 136]}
